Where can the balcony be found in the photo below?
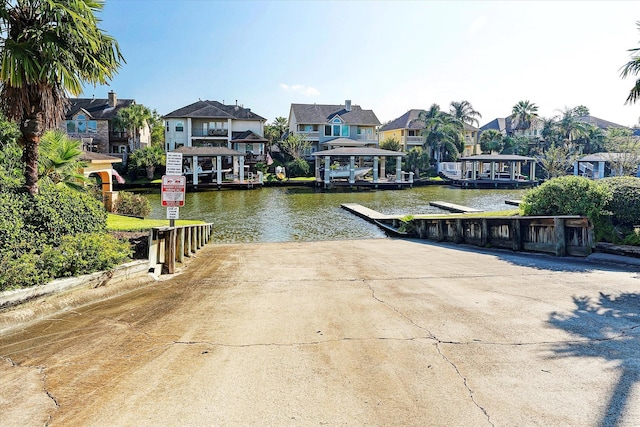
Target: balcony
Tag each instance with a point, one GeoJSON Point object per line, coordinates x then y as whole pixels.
{"type": "Point", "coordinates": [415, 140]}
{"type": "Point", "coordinates": [118, 136]}
{"type": "Point", "coordinates": [310, 135]}
{"type": "Point", "coordinates": [210, 132]}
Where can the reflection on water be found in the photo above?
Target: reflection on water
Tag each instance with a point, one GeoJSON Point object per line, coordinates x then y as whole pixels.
{"type": "Point", "coordinates": [278, 214]}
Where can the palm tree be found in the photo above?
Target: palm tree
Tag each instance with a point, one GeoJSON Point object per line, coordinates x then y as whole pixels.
{"type": "Point", "coordinates": [491, 140]}
{"type": "Point", "coordinates": [148, 157]}
{"type": "Point", "coordinates": [442, 133]}
{"type": "Point", "coordinates": [416, 160]}
{"type": "Point", "coordinates": [633, 68]}
{"type": "Point", "coordinates": [570, 128]}
{"type": "Point", "coordinates": [48, 49]}
{"type": "Point", "coordinates": [132, 119]}
{"type": "Point", "coordinates": [281, 125]}
{"type": "Point", "coordinates": [59, 160]}
{"type": "Point", "coordinates": [523, 114]}
{"type": "Point", "coordinates": [464, 112]}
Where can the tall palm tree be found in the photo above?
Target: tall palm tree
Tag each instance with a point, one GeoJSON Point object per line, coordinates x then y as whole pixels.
{"type": "Point", "coordinates": [281, 124]}
{"type": "Point", "coordinates": [491, 140]}
{"type": "Point", "coordinates": [48, 49]}
{"type": "Point", "coordinates": [523, 114]}
{"type": "Point", "coordinates": [442, 133]}
{"type": "Point", "coordinates": [633, 68]}
{"type": "Point", "coordinates": [132, 119]}
{"type": "Point", "coordinates": [148, 157]}
{"type": "Point", "coordinates": [570, 128]}
{"type": "Point", "coordinates": [464, 112]}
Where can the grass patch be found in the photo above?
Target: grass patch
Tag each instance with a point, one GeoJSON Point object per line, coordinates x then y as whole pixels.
{"type": "Point", "coordinates": [126, 223]}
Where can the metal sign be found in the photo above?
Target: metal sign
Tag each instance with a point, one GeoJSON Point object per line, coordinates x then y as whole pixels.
{"type": "Point", "coordinates": [174, 163]}
{"type": "Point", "coordinates": [173, 212]}
{"type": "Point", "coordinates": [173, 190]}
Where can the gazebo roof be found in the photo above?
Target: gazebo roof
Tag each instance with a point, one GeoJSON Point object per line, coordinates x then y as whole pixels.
{"type": "Point", "coordinates": [92, 157]}
{"type": "Point", "coordinates": [497, 158]}
{"type": "Point", "coordinates": [358, 151]}
{"type": "Point", "coordinates": [600, 157]}
{"type": "Point", "coordinates": [207, 151]}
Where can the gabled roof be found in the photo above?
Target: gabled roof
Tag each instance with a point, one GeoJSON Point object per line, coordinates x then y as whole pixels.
{"type": "Point", "coordinates": [502, 125]}
{"type": "Point", "coordinates": [247, 136]}
{"type": "Point", "coordinates": [321, 114]}
{"type": "Point", "coordinates": [214, 110]}
{"type": "Point", "coordinates": [96, 108]}
{"type": "Point", "coordinates": [207, 151]}
{"type": "Point", "coordinates": [409, 120]}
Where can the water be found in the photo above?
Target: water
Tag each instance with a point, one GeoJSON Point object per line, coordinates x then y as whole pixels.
{"type": "Point", "coordinates": [279, 214]}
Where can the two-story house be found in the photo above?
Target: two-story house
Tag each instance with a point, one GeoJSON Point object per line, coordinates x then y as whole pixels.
{"type": "Point", "coordinates": [506, 127]}
{"type": "Point", "coordinates": [330, 126]}
{"type": "Point", "coordinates": [407, 130]}
{"type": "Point", "coordinates": [91, 120]}
{"type": "Point", "coordinates": [214, 124]}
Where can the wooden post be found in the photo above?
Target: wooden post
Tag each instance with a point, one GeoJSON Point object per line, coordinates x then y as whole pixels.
{"type": "Point", "coordinates": [516, 235]}
{"type": "Point", "coordinates": [484, 233]}
{"type": "Point", "coordinates": [561, 244]}
{"type": "Point", "coordinates": [180, 244]}
{"type": "Point", "coordinates": [459, 237]}
{"type": "Point", "coordinates": [440, 236]}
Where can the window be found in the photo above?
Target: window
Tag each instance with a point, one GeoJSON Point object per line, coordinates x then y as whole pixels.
{"type": "Point", "coordinates": [179, 127]}
{"type": "Point", "coordinates": [336, 130]}
{"type": "Point", "coordinates": [82, 125]}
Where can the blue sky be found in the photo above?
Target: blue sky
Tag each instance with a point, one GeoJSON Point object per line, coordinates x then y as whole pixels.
{"type": "Point", "coordinates": [385, 56]}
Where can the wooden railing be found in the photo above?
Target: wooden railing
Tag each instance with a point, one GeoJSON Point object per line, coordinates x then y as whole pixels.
{"type": "Point", "coordinates": [170, 244]}
{"type": "Point", "coordinates": [559, 235]}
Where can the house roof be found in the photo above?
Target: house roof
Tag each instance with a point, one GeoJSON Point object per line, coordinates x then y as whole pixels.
{"type": "Point", "coordinates": [358, 151]}
{"type": "Point", "coordinates": [214, 110]}
{"type": "Point", "coordinates": [207, 151]}
{"type": "Point", "coordinates": [321, 114]}
{"type": "Point", "coordinates": [247, 136]}
{"type": "Point", "coordinates": [502, 125]}
{"type": "Point", "coordinates": [406, 121]}
{"type": "Point", "coordinates": [498, 158]}
{"type": "Point", "coordinates": [96, 108]}
{"type": "Point", "coordinates": [602, 124]}
{"type": "Point", "coordinates": [91, 157]}
{"type": "Point", "coordinates": [409, 120]}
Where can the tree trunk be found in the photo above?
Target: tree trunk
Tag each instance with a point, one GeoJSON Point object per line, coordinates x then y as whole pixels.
{"type": "Point", "coordinates": [150, 171]}
{"type": "Point", "coordinates": [31, 129]}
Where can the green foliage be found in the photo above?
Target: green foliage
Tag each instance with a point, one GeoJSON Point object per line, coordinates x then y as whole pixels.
{"type": "Point", "coordinates": [84, 253]}
{"type": "Point", "coordinates": [21, 271]}
{"type": "Point", "coordinates": [132, 204]}
{"type": "Point", "coordinates": [491, 140]}
{"type": "Point", "coordinates": [296, 145]}
{"type": "Point", "coordinates": [567, 195]}
{"type": "Point", "coordinates": [407, 225]}
{"type": "Point", "coordinates": [148, 158]}
{"type": "Point", "coordinates": [11, 166]}
{"type": "Point", "coordinates": [59, 160]}
{"type": "Point", "coordinates": [298, 167]}
{"type": "Point", "coordinates": [391, 144]}
{"type": "Point", "coordinates": [624, 204]}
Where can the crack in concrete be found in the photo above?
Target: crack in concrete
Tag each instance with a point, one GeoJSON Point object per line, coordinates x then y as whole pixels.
{"type": "Point", "coordinates": [437, 345]}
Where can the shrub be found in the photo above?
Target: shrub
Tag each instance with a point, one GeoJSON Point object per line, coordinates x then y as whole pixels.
{"type": "Point", "coordinates": [22, 271]}
{"type": "Point", "coordinates": [298, 167]}
{"type": "Point", "coordinates": [132, 204]}
{"type": "Point", "coordinates": [55, 212]}
{"type": "Point", "coordinates": [624, 204]}
{"type": "Point", "coordinates": [567, 195]}
{"type": "Point", "coordinates": [84, 253]}
{"type": "Point", "coordinates": [12, 208]}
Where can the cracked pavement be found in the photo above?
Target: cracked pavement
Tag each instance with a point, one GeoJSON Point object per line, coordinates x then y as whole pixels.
{"type": "Point", "coordinates": [358, 332]}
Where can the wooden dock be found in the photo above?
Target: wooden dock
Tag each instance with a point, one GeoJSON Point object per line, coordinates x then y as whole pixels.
{"type": "Point", "coordinates": [513, 202]}
{"type": "Point", "coordinates": [452, 207]}
{"type": "Point", "coordinates": [368, 214]}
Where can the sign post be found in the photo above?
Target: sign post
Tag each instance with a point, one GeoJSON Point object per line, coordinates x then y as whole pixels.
{"type": "Point", "coordinates": [174, 187]}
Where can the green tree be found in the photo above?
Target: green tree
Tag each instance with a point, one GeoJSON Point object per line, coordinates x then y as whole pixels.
{"type": "Point", "coordinates": [558, 159]}
{"type": "Point", "coordinates": [11, 166]}
{"type": "Point", "coordinates": [417, 160]}
{"type": "Point", "coordinates": [148, 158]}
{"type": "Point", "coordinates": [132, 119]}
{"type": "Point", "coordinates": [391, 144]}
{"type": "Point", "coordinates": [581, 111]}
{"type": "Point", "coordinates": [624, 152]}
{"type": "Point", "coordinates": [464, 112]}
{"type": "Point", "coordinates": [442, 133]}
{"type": "Point", "coordinates": [633, 68]}
{"type": "Point", "coordinates": [518, 145]}
{"type": "Point", "coordinates": [49, 49]}
{"type": "Point", "coordinates": [296, 145]}
{"type": "Point", "coordinates": [59, 160]}
{"type": "Point", "coordinates": [491, 140]}
{"type": "Point", "coordinates": [569, 127]}
{"type": "Point", "coordinates": [523, 114]}
{"type": "Point", "coordinates": [156, 125]}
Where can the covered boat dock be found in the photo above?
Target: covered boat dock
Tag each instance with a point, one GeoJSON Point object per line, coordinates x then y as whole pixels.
{"type": "Point", "coordinates": [359, 167]}
{"type": "Point", "coordinates": [494, 171]}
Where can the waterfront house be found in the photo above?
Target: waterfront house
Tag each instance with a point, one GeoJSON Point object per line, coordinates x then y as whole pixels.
{"type": "Point", "coordinates": [331, 126]}
{"type": "Point", "coordinates": [407, 129]}
{"type": "Point", "coordinates": [214, 124]}
{"type": "Point", "coordinates": [91, 120]}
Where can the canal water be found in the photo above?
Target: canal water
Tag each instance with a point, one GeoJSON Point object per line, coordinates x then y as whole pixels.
{"type": "Point", "coordinates": [281, 214]}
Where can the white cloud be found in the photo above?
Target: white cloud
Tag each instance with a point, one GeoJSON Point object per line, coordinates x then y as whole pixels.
{"type": "Point", "coordinates": [305, 90]}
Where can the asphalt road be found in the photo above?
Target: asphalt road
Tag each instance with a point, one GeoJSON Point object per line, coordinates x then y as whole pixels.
{"type": "Point", "coordinates": [363, 332]}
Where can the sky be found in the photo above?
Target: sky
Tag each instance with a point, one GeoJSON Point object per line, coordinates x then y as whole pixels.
{"type": "Point", "coordinates": [386, 56]}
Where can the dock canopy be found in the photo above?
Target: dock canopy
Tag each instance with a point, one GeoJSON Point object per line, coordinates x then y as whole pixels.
{"type": "Point", "coordinates": [211, 162]}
